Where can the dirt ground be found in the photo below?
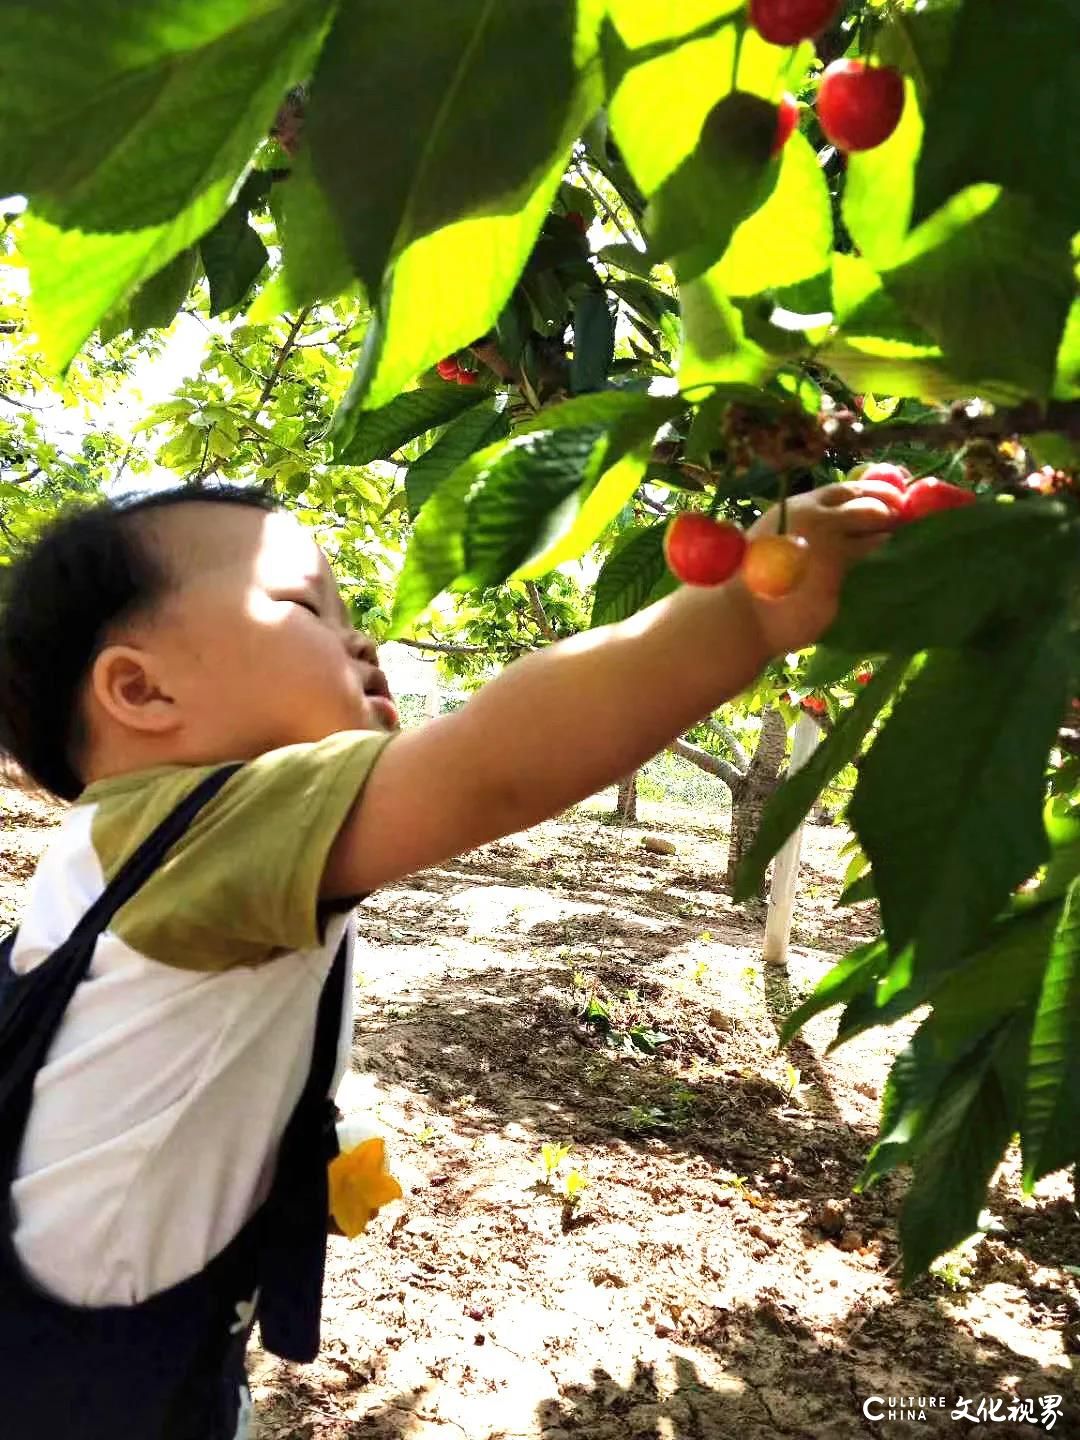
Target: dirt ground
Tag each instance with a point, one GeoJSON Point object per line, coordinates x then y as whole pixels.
{"type": "Point", "coordinates": [716, 1277]}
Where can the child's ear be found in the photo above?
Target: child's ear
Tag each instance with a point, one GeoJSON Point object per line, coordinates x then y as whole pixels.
{"type": "Point", "coordinates": [125, 683]}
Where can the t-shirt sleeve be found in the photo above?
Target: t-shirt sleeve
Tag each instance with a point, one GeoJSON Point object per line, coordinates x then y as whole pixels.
{"type": "Point", "coordinates": [242, 884]}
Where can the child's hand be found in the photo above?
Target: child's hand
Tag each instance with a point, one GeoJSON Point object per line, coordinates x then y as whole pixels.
{"type": "Point", "coordinates": [842, 523]}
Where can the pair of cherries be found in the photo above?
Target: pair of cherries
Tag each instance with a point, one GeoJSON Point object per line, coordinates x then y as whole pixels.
{"type": "Point", "coordinates": [703, 551]}
{"type": "Point", "coordinates": [450, 369]}
{"type": "Point", "coordinates": [859, 105]}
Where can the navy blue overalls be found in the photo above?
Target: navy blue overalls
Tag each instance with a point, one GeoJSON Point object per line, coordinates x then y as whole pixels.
{"type": "Point", "coordinates": [172, 1366]}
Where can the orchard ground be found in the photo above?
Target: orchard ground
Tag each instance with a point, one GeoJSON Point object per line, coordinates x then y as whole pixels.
{"type": "Point", "coordinates": [716, 1278]}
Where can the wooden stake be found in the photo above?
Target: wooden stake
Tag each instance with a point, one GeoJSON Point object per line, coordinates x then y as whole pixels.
{"type": "Point", "coordinates": [786, 865]}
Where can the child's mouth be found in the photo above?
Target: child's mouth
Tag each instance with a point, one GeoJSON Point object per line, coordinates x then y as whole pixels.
{"type": "Point", "coordinates": [377, 694]}
{"type": "Point", "coordinates": [385, 708]}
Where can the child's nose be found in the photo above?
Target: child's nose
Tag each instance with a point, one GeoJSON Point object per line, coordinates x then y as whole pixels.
{"type": "Point", "coordinates": [362, 647]}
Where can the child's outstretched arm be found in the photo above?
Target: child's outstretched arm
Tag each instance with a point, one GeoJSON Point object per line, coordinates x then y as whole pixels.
{"type": "Point", "coordinates": [565, 721]}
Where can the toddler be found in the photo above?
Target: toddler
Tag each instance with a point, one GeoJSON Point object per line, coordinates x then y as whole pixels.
{"type": "Point", "coordinates": [175, 1006]}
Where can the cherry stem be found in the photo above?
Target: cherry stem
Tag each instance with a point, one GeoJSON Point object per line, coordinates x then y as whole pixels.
{"type": "Point", "coordinates": [740, 31]}
{"type": "Point", "coordinates": [718, 494]}
{"type": "Point", "coordinates": [783, 503]}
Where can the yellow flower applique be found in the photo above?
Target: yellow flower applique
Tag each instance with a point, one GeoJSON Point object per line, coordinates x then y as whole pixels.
{"type": "Point", "coordinates": [360, 1185]}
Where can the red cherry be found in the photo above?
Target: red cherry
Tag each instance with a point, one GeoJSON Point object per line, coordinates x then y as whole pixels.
{"type": "Point", "coordinates": [814, 706]}
{"type": "Point", "coordinates": [927, 497]}
{"type": "Point", "coordinates": [701, 551]}
{"type": "Point", "coordinates": [863, 677]}
{"type": "Point", "coordinates": [860, 105]}
{"type": "Point", "coordinates": [775, 565]}
{"type": "Point", "coordinates": [896, 475]}
{"type": "Point", "coordinates": [787, 117]}
{"type": "Point", "coordinates": [577, 220]}
{"type": "Point", "coordinates": [467, 377]}
{"type": "Point", "coordinates": [448, 368]}
{"type": "Point", "coordinates": [786, 22]}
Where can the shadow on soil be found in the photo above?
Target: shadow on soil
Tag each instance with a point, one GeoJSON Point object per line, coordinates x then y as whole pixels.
{"type": "Point", "coordinates": [776, 1380]}
{"type": "Point", "coordinates": [519, 1051]}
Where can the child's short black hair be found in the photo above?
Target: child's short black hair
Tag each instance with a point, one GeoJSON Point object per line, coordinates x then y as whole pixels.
{"type": "Point", "coordinates": [87, 569]}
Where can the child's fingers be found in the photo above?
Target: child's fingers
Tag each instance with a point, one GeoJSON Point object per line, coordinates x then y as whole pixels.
{"type": "Point", "coordinates": [868, 513]}
{"type": "Point", "coordinates": [848, 493]}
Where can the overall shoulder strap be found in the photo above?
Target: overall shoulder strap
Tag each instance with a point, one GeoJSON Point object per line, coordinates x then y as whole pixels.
{"type": "Point", "coordinates": [142, 863]}
{"type": "Point", "coordinates": [33, 1004]}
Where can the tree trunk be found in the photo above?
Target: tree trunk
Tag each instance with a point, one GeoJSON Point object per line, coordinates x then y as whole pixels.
{"type": "Point", "coordinates": [626, 805]}
{"type": "Point", "coordinates": [761, 780]}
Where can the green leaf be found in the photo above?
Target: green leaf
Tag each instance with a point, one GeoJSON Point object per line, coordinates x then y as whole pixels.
{"type": "Point", "coordinates": [789, 806]}
{"type": "Point", "coordinates": [594, 343]}
{"type": "Point", "coordinates": [1067, 375]}
{"type": "Point", "coordinates": [472, 431]}
{"type": "Point", "coordinates": [959, 1150]}
{"type": "Point", "coordinates": [314, 263]}
{"type": "Point", "coordinates": [232, 254]}
{"type": "Point", "coordinates": [860, 889]}
{"type": "Point", "coordinates": [627, 413]}
{"type": "Point", "coordinates": [892, 367]}
{"type": "Point", "coordinates": [973, 131]}
{"type": "Point", "coordinates": [628, 257]}
{"type": "Point", "coordinates": [827, 665]}
{"type": "Point", "coordinates": [727, 176]}
{"type": "Point", "coordinates": [1000, 979]}
{"type": "Point", "coordinates": [121, 118]}
{"type": "Point", "coordinates": [595, 508]}
{"type": "Point", "coordinates": [864, 308]}
{"type": "Point", "coordinates": [547, 299]}
{"type": "Point", "coordinates": [911, 1090]}
{"type": "Point", "coordinates": [631, 423]}
{"type": "Point", "coordinates": [1063, 833]}
{"type": "Point", "coordinates": [961, 760]}
{"type": "Point", "coordinates": [648, 302]}
{"type": "Point", "coordinates": [155, 303]}
{"type": "Point", "coordinates": [436, 553]}
{"type": "Point", "coordinates": [518, 508]}
{"type": "Point", "coordinates": [990, 278]}
{"type": "Point", "coordinates": [940, 581]}
{"type": "Point", "coordinates": [1050, 1106]}
{"type": "Point", "coordinates": [789, 238]}
{"type": "Point", "coordinates": [78, 279]}
{"type": "Point", "coordinates": [879, 189]}
{"type": "Point", "coordinates": [919, 44]}
{"type": "Point", "coordinates": [444, 236]}
{"type": "Point", "coordinates": [691, 78]}
{"type": "Point", "coordinates": [852, 975]}
{"type": "Point", "coordinates": [395, 144]}
{"type": "Point", "coordinates": [716, 350]}
{"type": "Point", "coordinates": [984, 989]}
{"type": "Point", "coordinates": [360, 436]}
{"type": "Point", "coordinates": [634, 575]}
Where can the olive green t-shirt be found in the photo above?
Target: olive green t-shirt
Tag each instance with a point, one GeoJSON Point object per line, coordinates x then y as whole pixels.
{"type": "Point", "coordinates": [157, 1114]}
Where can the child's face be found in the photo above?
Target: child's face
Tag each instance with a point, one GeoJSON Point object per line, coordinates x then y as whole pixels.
{"type": "Point", "coordinates": [256, 648]}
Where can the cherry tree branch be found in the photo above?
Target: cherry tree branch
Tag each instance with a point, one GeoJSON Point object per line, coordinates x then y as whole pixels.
{"type": "Point", "coordinates": [713, 764]}
{"type": "Point", "coordinates": [725, 733]}
{"type": "Point", "coordinates": [283, 354]}
{"type": "Point", "coordinates": [536, 605]}
{"type": "Point", "coordinates": [444, 647]}
{"type": "Point", "coordinates": [287, 346]}
{"type": "Point", "coordinates": [1060, 416]}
